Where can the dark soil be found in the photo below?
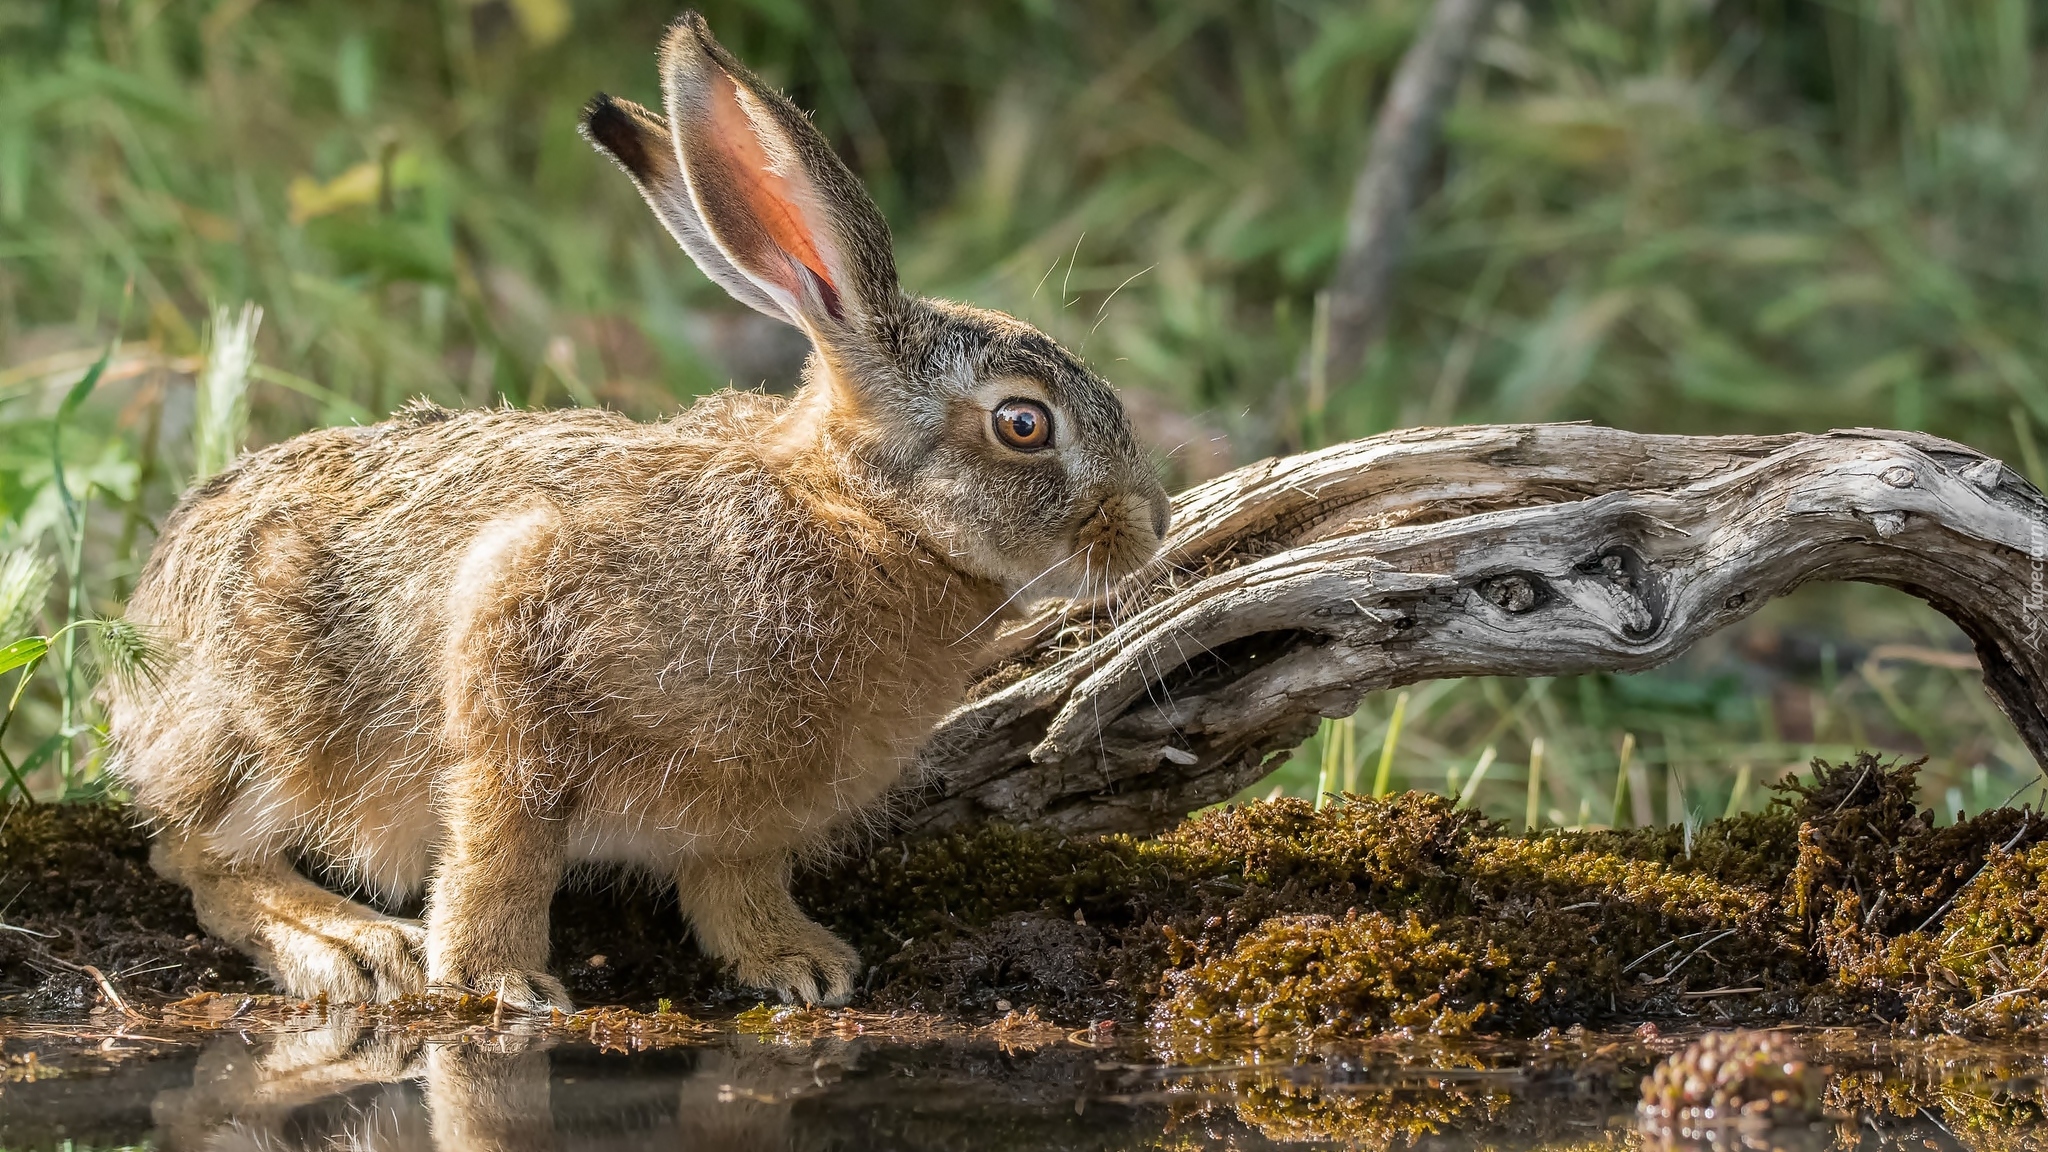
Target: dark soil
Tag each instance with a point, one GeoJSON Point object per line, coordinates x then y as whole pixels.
{"type": "Point", "coordinates": [1843, 904]}
{"type": "Point", "coordinates": [76, 889]}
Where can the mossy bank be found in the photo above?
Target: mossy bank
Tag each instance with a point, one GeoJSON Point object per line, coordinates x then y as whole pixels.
{"type": "Point", "coordinates": [1268, 923]}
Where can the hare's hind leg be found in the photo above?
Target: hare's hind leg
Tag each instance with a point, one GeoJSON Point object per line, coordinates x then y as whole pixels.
{"type": "Point", "coordinates": [311, 941]}
{"type": "Point", "coordinates": [742, 913]}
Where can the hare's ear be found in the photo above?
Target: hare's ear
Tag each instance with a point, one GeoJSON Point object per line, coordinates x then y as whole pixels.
{"type": "Point", "coordinates": [752, 191]}
{"type": "Point", "coordinates": [639, 142]}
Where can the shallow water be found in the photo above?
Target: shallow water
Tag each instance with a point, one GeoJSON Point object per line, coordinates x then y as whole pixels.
{"type": "Point", "coordinates": [347, 1085]}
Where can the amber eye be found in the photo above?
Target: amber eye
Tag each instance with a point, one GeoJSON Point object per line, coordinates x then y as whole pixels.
{"type": "Point", "coordinates": [1023, 424]}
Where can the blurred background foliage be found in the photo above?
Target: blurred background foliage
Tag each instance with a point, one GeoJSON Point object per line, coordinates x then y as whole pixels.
{"type": "Point", "coordinates": [1668, 215]}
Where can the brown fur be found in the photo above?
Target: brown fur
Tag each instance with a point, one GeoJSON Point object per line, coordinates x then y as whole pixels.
{"type": "Point", "coordinates": [461, 652]}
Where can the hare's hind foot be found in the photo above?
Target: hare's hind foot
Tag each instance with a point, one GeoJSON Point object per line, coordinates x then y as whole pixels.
{"type": "Point", "coordinates": [742, 914]}
{"type": "Point", "coordinates": [312, 942]}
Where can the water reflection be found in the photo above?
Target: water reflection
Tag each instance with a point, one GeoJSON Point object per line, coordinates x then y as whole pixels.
{"type": "Point", "coordinates": [344, 1085]}
{"type": "Point", "coordinates": [394, 1092]}
{"type": "Point", "coordinates": [349, 1086]}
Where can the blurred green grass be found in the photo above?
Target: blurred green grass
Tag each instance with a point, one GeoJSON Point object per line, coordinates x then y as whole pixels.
{"type": "Point", "coordinates": [1669, 215]}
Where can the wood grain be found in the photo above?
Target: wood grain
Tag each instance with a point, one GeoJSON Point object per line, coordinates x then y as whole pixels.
{"type": "Point", "coordinates": [1291, 587]}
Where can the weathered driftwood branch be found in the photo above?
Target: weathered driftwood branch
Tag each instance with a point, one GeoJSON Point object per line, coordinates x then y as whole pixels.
{"type": "Point", "coordinates": [1291, 587]}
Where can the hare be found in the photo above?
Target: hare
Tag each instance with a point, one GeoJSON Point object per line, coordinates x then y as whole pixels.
{"type": "Point", "coordinates": [460, 653]}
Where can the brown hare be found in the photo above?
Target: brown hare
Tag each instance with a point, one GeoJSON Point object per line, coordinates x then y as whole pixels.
{"type": "Point", "coordinates": [461, 652]}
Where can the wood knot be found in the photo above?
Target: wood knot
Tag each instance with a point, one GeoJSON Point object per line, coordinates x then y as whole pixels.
{"type": "Point", "coordinates": [1515, 592]}
{"type": "Point", "coordinates": [1985, 474]}
{"type": "Point", "coordinates": [1898, 476]}
{"type": "Point", "coordinates": [1615, 567]}
{"type": "Point", "coordinates": [1628, 589]}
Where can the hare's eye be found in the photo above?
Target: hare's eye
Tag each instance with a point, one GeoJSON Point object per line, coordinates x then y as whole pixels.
{"type": "Point", "coordinates": [1023, 424]}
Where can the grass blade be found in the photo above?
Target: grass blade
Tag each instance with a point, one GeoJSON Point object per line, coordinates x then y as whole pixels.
{"type": "Point", "coordinates": [1740, 794]}
{"type": "Point", "coordinates": [221, 422]}
{"type": "Point", "coordinates": [1621, 777]}
{"type": "Point", "coordinates": [1380, 780]}
{"type": "Point", "coordinates": [1478, 774]}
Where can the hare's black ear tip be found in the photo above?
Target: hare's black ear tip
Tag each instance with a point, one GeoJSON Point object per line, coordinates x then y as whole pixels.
{"type": "Point", "coordinates": [603, 122]}
{"type": "Point", "coordinates": [612, 128]}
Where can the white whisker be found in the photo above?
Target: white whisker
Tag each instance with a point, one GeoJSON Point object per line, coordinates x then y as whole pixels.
{"type": "Point", "coordinates": [1012, 598]}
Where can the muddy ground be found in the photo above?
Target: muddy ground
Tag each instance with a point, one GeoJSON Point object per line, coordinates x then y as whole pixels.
{"type": "Point", "coordinates": [1274, 922]}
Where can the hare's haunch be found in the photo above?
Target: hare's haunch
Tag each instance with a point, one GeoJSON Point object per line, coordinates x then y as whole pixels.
{"type": "Point", "coordinates": [465, 651]}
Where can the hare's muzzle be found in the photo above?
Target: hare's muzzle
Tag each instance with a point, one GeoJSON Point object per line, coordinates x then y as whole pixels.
{"type": "Point", "coordinates": [1123, 533]}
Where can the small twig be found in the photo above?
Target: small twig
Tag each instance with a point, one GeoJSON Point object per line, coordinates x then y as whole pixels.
{"type": "Point", "coordinates": [1931, 1118]}
{"type": "Point", "coordinates": [27, 931]}
{"type": "Point", "coordinates": [100, 978]}
{"type": "Point", "coordinates": [2010, 992]}
{"type": "Point", "coordinates": [107, 988]}
{"type": "Point", "coordinates": [1673, 970]}
{"type": "Point", "coordinates": [2032, 985]}
{"type": "Point", "coordinates": [1851, 793]}
{"type": "Point", "coordinates": [2006, 847]}
{"type": "Point", "coordinates": [498, 1010]}
{"type": "Point", "coordinates": [1645, 956]}
{"type": "Point", "coordinates": [1720, 992]}
{"type": "Point", "coordinates": [2024, 785]}
{"type": "Point", "coordinates": [1659, 948]}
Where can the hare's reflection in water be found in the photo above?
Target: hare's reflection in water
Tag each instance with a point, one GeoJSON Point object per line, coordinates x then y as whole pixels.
{"type": "Point", "coordinates": [350, 1086]}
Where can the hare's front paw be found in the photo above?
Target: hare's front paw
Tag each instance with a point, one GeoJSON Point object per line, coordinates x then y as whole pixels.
{"type": "Point", "coordinates": [348, 958]}
{"type": "Point", "coordinates": [520, 991]}
{"type": "Point", "coordinates": [808, 965]}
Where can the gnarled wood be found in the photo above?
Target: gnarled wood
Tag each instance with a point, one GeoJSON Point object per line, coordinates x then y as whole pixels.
{"type": "Point", "coordinates": [1294, 586]}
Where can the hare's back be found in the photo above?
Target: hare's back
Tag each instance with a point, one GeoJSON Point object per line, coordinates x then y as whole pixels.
{"type": "Point", "coordinates": [347, 513]}
{"type": "Point", "coordinates": [293, 594]}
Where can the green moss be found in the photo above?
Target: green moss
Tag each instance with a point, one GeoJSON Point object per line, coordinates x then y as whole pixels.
{"type": "Point", "coordinates": [1934, 928]}
{"type": "Point", "coordinates": [1573, 870]}
{"type": "Point", "coordinates": [1404, 846]}
{"type": "Point", "coordinates": [1274, 923]}
{"type": "Point", "coordinates": [1463, 926]}
{"type": "Point", "coordinates": [1983, 971]}
{"type": "Point", "coordinates": [1320, 977]}
{"type": "Point", "coordinates": [1272, 920]}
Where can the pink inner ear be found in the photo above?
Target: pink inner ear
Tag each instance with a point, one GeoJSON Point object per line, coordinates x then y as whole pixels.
{"type": "Point", "coordinates": [774, 200]}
